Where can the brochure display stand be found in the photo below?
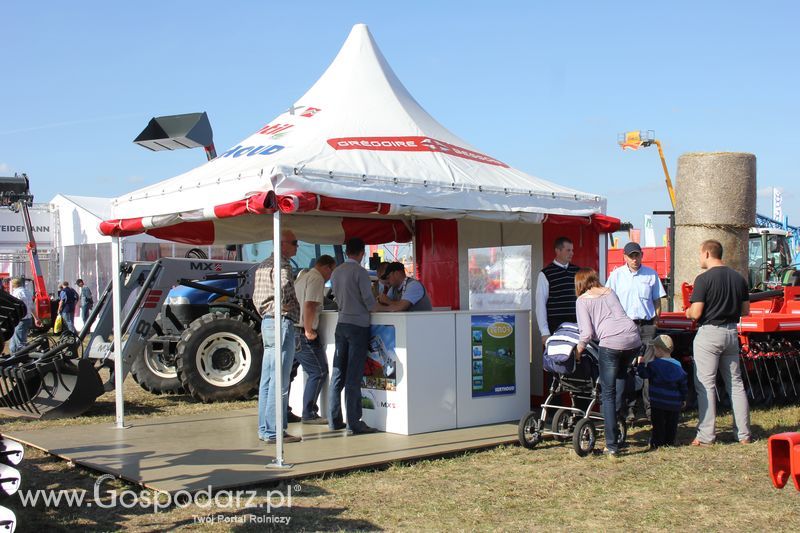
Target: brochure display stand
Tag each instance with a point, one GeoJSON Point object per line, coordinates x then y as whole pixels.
{"type": "Point", "coordinates": [431, 371]}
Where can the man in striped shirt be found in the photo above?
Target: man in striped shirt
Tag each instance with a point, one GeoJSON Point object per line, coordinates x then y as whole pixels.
{"type": "Point", "coordinates": [555, 290]}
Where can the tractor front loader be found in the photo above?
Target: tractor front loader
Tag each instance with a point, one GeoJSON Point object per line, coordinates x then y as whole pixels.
{"type": "Point", "coordinates": [214, 356]}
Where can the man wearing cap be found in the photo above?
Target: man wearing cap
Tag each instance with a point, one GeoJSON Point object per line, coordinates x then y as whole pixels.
{"type": "Point", "coordinates": [639, 291]}
{"type": "Point", "coordinates": [405, 293]}
{"type": "Point", "coordinates": [353, 291]}
{"type": "Point", "coordinates": [555, 290]}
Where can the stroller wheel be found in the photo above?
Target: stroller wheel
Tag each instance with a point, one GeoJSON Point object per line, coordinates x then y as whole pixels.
{"type": "Point", "coordinates": [561, 423]}
{"type": "Point", "coordinates": [530, 429]}
{"type": "Point", "coordinates": [584, 438]}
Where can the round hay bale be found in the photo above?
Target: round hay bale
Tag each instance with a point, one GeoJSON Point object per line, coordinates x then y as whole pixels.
{"type": "Point", "coordinates": [715, 198]}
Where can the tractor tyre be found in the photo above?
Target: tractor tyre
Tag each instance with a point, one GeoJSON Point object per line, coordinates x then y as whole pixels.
{"type": "Point", "coordinates": [154, 375]}
{"type": "Point", "coordinates": [219, 358]}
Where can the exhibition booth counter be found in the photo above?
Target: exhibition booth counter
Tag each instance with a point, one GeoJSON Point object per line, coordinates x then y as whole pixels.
{"type": "Point", "coordinates": [438, 370]}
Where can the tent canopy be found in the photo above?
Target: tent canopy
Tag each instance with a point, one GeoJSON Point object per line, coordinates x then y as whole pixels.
{"type": "Point", "coordinates": [359, 135]}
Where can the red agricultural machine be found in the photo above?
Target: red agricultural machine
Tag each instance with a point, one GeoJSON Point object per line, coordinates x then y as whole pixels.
{"type": "Point", "coordinates": [770, 342]}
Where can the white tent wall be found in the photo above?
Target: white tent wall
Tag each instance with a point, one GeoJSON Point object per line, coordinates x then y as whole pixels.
{"type": "Point", "coordinates": [479, 234]}
{"type": "Point", "coordinates": [14, 257]}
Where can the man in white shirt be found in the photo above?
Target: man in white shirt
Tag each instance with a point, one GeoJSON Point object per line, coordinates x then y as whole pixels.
{"type": "Point", "coordinates": [555, 290]}
{"type": "Point", "coordinates": [640, 291]}
{"type": "Point", "coordinates": [310, 290]}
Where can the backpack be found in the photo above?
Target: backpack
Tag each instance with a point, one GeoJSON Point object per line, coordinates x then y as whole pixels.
{"type": "Point", "coordinates": [72, 295]}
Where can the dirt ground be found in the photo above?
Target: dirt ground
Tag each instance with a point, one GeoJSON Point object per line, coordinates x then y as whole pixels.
{"type": "Point", "coordinates": [511, 488]}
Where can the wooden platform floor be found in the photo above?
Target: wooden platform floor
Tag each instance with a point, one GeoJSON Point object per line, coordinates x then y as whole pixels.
{"type": "Point", "coordinates": [222, 450]}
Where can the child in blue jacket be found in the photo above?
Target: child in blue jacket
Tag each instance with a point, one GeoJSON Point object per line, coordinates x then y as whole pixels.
{"type": "Point", "coordinates": [667, 391]}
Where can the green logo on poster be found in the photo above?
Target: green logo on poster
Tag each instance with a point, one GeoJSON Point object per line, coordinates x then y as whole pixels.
{"type": "Point", "coordinates": [500, 330]}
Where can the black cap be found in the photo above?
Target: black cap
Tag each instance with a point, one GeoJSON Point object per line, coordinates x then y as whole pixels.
{"type": "Point", "coordinates": [632, 247]}
{"type": "Point", "coordinates": [393, 267]}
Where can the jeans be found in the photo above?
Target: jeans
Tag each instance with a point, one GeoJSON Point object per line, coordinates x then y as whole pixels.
{"type": "Point", "coordinates": [717, 348]}
{"type": "Point", "coordinates": [613, 366]}
{"type": "Point", "coordinates": [267, 428]}
{"type": "Point", "coordinates": [69, 320]}
{"type": "Point", "coordinates": [348, 369]}
{"type": "Point", "coordinates": [665, 427]}
{"type": "Point", "coordinates": [20, 337]}
{"type": "Point", "coordinates": [311, 356]}
{"type": "Point", "coordinates": [86, 310]}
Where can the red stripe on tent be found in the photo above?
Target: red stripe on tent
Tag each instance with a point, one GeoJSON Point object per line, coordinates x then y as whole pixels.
{"type": "Point", "coordinates": [262, 203]}
{"type": "Point", "coordinates": [121, 227]}
{"type": "Point", "coordinates": [201, 232]}
{"type": "Point", "coordinates": [375, 231]}
{"type": "Point", "coordinates": [600, 223]}
{"type": "Point", "coordinates": [300, 202]}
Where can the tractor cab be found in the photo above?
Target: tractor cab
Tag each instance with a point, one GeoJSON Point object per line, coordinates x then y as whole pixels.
{"type": "Point", "coordinates": [770, 259]}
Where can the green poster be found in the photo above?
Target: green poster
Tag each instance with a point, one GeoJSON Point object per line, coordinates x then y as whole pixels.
{"type": "Point", "coordinates": [493, 365]}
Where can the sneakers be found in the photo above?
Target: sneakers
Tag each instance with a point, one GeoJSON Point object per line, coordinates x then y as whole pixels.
{"type": "Point", "coordinates": [746, 440]}
{"type": "Point", "coordinates": [336, 426]}
{"type": "Point", "coordinates": [613, 454]}
{"type": "Point", "coordinates": [287, 438]}
{"type": "Point", "coordinates": [315, 420]}
{"type": "Point", "coordinates": [702, 444]}
{"type": "Point", "coordinates": [291, 418]}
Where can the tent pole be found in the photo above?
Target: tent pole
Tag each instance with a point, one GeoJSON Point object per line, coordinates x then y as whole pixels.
{"type": "Point", "coordinates": [277, 267]}
{"type": "Point", "coordinates": [116, 292]}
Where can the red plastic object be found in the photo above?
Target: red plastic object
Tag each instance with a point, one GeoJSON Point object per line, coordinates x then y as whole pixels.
{"type": "Point", "coordinates": [784, 459]}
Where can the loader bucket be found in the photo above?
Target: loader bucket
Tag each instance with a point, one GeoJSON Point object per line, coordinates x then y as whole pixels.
{"type": "Point", "coordinates": [53, 388]}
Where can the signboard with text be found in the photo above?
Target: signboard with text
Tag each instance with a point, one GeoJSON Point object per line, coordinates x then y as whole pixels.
{"type": "Point", "coordinates": [493, 344]}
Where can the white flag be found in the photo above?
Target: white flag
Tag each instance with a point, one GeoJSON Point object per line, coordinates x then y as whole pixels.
{"type": "Point", "coordinates": [777, 204]}
{"type": "Point", "coordinates": [649, 232]}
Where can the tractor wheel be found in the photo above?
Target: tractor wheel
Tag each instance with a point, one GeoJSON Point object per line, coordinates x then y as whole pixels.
{"type": "Point", "coordinates": [155, 375]}
{"type": "Point", "coordinates": [219, 358]}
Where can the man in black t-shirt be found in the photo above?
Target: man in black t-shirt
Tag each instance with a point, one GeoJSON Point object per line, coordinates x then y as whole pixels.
{"type": "Point", "coordinates": [719, 299]}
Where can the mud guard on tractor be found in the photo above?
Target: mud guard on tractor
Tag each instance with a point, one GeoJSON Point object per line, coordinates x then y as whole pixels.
{"type": "Point", "coordinates": [48, 385]}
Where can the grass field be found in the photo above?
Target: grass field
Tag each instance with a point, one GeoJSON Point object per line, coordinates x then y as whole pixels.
{"type": "Point", "coordinates": [723, 487]}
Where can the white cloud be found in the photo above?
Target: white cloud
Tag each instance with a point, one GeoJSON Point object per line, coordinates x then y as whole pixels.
{"type": "Point", "coordinates": [5, 168]}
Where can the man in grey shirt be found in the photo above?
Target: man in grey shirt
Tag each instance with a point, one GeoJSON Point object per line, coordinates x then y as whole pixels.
{"type": "Point", "coordinates": [353, 292]}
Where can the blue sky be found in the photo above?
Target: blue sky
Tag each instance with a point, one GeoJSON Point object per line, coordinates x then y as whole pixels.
{"type": "Point", "coordinates": [543, 86]}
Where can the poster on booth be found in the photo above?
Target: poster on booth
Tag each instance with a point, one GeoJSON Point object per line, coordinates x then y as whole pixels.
{"type": "Point", "coordinates": [380, 370]}
{"type": "Point", "coordinates": [493, 366]}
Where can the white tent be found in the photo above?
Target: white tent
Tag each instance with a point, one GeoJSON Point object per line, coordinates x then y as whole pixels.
{"type": "Point", "coordinates": [357, 134]}
{"type": "Point", "coordinates": [358, 146]}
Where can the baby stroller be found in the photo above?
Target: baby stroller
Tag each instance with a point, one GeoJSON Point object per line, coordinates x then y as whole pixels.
{"type": "Point", "coordinates": [581, 381]}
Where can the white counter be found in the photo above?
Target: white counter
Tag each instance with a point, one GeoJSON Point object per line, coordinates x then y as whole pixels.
{"type": "Point", "coordinates": [431, 385]}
